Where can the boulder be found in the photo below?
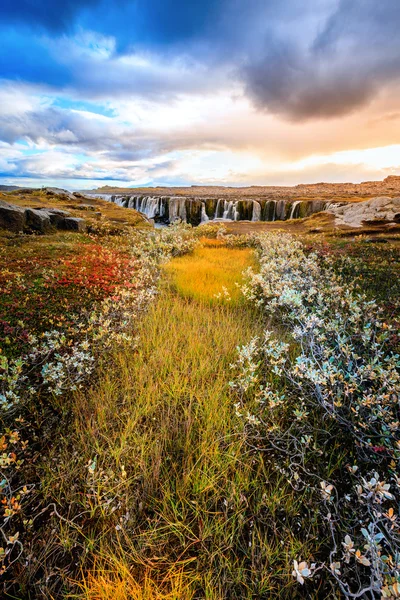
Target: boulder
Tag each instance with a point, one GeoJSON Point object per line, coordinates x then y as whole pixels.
{"type": "Point", "coordinates": [38, 220]}
{"type": "Point", "coordinates": [41, 220]}
{"type": "Point", "coordinates": [12, 217]}
{"type": "Point", "coordinates": [54, 191]}
{"type": "Point", "coordinates": [57, 216]}
{"type": "Point", "coordinates": [74, 224]}
{"type": "Point", "coordinates": [86, 207]}
{"type": "Point", "coordinates": [376, 211]}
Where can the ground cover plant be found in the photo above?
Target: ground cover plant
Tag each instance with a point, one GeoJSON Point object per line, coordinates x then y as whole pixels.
{"type": "Point", "coordinates": [330, 423]}
{"type": "Point", "coordinates": [172, 437]}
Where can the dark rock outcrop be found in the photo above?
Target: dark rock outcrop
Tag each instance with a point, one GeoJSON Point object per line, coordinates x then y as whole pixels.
{"type": "Point", "coordinates": [38, 220]}
{"type": "Point", "coordinates": [12, 217]}
{"type": "Point", "coordinates": [74, 224]}
{"type": "Point", "coordinates": [57, 216]}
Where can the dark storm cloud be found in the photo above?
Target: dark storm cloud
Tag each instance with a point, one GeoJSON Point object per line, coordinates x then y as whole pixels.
{"type": "Point", "coordinates": [355, 54]}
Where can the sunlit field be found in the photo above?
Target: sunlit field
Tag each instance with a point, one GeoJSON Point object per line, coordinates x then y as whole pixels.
{"type": "Point", "coordinates": [211, 268]}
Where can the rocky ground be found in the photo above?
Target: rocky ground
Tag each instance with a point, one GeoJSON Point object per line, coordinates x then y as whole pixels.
{"type": "Point", "coordinates": [375, 211]}
{"type": "Point", "coordinates": [330, 191]}
{"type": "Point", "coordinates": [44, 210]}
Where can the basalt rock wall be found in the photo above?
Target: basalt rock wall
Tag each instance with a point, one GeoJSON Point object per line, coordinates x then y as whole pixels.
{"type": "Point", "coordinates": [167, 209]}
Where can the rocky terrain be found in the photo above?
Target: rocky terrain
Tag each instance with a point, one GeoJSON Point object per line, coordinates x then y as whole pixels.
{"type": "Point", "coordinates": [19, 218]}
{"type": "Point", "coordinates": [390, 186]}
{"type": "Point", "coordinates": [45, 210]}
{"type": "Point", "coordinates": [48, 209]}
{"type": "Point", "coordinates": [370, 212]}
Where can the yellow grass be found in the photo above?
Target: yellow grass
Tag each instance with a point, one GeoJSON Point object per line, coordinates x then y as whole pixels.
{"type": "Point", "coordinates": [204, 274]}
{"type": "Point", "coordinates": [164, 414]}
{"type": "Point", "coordinates": [118, 583]}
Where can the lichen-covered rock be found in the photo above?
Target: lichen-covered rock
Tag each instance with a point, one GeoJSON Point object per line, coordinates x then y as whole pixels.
{"type": "Point", "coordinates": [12, 217]}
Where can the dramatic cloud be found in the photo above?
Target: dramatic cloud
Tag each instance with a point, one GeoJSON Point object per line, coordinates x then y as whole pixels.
{"type": "Point", "coordinates": [171, 90]}
{"type": "Point", "coordinates": [345, 66]}
{"type": "Point", "coordinates": [316, 58]}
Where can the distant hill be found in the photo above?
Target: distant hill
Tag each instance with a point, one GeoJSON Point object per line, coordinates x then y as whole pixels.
{"type": "Point", "coordinates": [9, 188]}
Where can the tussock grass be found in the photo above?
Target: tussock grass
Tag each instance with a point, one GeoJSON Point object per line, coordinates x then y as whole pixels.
{"type": "Point", "coordinates": [118, 583]}
{"type": "Point", "coordinates": [178, 506]}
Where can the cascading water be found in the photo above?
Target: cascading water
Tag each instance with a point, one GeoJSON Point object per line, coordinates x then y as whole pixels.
{"type": "Point", "coordinates": [177, 209]}
{"type": "Point", "coordinates": [167, 209]}
{"type": "Point", "coordinates": [293, 213]}
{"type": "Point", "coordinates": [219, 211]}
{"type": "Point", "coordinates": [256, 211]}
{"type": "Point", "coordinates": [230, 211]}
{"type": "Point", "coordinates": [204, 217]}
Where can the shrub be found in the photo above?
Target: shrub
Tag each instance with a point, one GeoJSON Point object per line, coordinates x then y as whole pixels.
{"type": "Point", "coordinates": [325, 402]}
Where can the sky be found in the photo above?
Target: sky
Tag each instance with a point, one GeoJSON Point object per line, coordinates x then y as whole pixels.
{"type": "Point", "coordinates": [180, 92]}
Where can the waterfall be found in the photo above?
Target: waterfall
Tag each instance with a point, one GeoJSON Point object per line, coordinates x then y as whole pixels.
{"type": "Point", "coordinates": [194, 210]}
{"type": "Point", "coordinates": [228, 210]}
{"type": "Point", "coordinates": [293, 213]}
{"type": "Point", "coordinates": [149, 206]}
{"type": "Point", "coordinates": [219, 211]}
{"type": "Point", "coordinates": [204, 217]}
{"type": "Point", "coordinates": [177, 209]}
{"type": "Point", "coordinates": [256, 211]}
{"type": "Point", "coordinates": [280, 207]}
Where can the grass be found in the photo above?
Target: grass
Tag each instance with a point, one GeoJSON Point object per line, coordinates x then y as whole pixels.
{"type": "Point", "coordinates": [212, 268]}
{"type": "Point", "coordinates": [177, 506]}
{"type": "Point", "coordinates": [161, 497]}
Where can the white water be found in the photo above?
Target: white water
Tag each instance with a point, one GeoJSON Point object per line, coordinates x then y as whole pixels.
{"type": "Point", "coordinates": [219, 208]}
{"type": "Point", "coordinates": [204, 217]}
{"type": "Point", "coordinates": [294, 208]}
{"type": "Point", "coordinates": [256, 211]}
{"type": "Point", "coordinates": [230, 211]}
